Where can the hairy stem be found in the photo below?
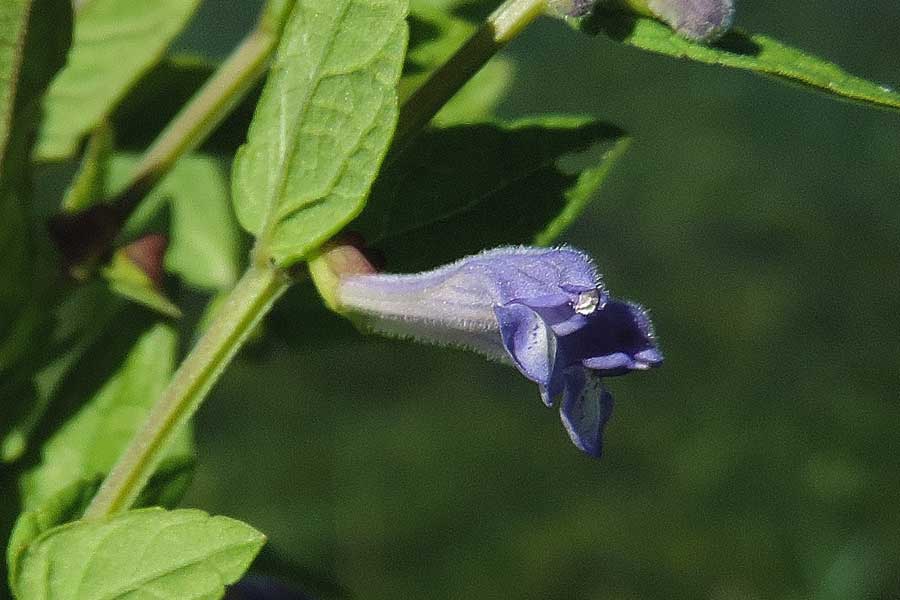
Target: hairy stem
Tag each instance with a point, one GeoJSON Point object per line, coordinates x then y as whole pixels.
{"type": "Point", "coordinates": [499, 28]}
{"type": "Point", "coordinates": [248, 302]}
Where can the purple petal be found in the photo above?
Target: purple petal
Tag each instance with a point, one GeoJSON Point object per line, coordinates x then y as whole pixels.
{"type": "Point", "coordinates": [586, 408]}
{"type": "Point", "coordinates": [529, 340]}
{"type": "Point", "coordinates": [615, 363]}
{"type": "Point", "coordinates": [616, 339]}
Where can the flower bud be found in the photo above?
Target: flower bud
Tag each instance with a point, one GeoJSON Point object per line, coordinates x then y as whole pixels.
{"type": "Point", "coordinates": [699, 20]}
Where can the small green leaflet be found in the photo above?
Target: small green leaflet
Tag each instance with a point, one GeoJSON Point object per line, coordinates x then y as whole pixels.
{"type": "Point", "coordinates": [460, 189]}
{"type": "Point", "coordinates": [115, 43]}
{"type": "Point", "coordinates": [739, 50]}
{"type": "Point", "coordinates": [89, 443]}
{"type": "Point", "coordinates": [322, 125]}
{"type": "Point", "coordinates": [150, 554]}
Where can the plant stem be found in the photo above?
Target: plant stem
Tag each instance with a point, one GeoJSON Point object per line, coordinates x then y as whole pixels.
{"type": "Point", "coordinates": [248, 302]}
{"type": "Point", "coordinates": [212, 103]}
{"type": "Point", "coordinates": [499, 28]}
{"type": "Point", "coordinates": [85, 237]}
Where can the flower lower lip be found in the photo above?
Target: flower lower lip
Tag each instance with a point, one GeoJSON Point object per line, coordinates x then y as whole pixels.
{"type": "Point", "coordinates": [648, 358]}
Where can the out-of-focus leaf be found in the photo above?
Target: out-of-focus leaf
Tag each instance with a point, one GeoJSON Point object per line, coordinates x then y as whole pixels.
{"type": "Point", "coordinates": [322, 125]}
{"type": "Point", "coordinates": [461, 189]}
{"type": "Point", "coordinates": [477, 100]}
{"type": "Point", "coordinates": [79, 321]}
{"type": "Point", "coordinates": [204, 237]}
{"type": "Point", "coordinates": [88, 444]}
{"type": "Point", "coordinates": [33, 39]}
{"type": "Point", "coordinates": [13, 26]}
{"type": "Point", "coordinates": [115, 43]}
{"type": "Point", "coordinates": [751, 52]}
{"type": "Point", "coordinates": [148, 553]}
{"type": "Point", "coordinates": [34, 36]}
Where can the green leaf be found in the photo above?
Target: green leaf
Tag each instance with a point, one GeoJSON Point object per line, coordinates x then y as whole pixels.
{"type": "Point", "coordinates": [89, 443]}
{"type": "Point", "coordinates": [752, 52]}
{"type": "Point", "coordinates": [204, 237]}
{"type": "Point", "coordinates": [66, 505]}
{"type": "Point", "coordinates": [148, 554]}
{"type": "Point", "coordinates": [461, 189]}
{"type": "Point", "coordinates": [165, 488]}
{"type": "Point", "coordinates": [322, 125]}
{"type": "Point", "coordinates": [115, 43]}
{"type": "Point", "coordinates": [205, 246]}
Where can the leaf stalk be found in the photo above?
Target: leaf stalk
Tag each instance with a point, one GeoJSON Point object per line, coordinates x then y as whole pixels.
{"type": "Point", "coordinates": [248, 302]}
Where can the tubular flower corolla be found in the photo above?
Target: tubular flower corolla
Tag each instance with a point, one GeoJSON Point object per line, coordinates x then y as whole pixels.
{"type": "Point", "coordinates": [543, 310]}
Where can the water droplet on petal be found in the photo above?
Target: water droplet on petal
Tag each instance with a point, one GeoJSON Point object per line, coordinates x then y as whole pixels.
{"type": "Point", "coordinates": [587, 302]}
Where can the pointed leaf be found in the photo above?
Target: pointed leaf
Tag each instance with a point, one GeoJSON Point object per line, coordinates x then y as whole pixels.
{"type": "Point", "coordinates": [150, 554]}
{"type": "Point", "coordinates": [740, 50]}
{"type": "Point", "coordinates": [115, 43]}
{"type": "Point", "coordinates": [322, 125]}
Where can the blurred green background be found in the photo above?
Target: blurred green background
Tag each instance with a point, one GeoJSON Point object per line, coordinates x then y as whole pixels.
{"type": "Point", "coordinates": [761, 225]}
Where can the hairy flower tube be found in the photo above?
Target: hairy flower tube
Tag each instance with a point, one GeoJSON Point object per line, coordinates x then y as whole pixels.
{"type": "Point", "coordinates": [543, 310]}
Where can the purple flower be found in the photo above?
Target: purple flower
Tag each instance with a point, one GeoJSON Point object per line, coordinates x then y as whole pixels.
{"type": "Point", "coordinates": [701, 20]}
{"type": "Point", "coordinates": [543, 310]}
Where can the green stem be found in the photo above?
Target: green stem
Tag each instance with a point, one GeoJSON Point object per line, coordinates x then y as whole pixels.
{"type": "Point", "coordinates": [85, 237]}
{"type": "Point", "coordinates": [248, 302]}
{"type": "Point", "coordinates": [499, 28]}
{"type": "Point", "coordinates": [212, 103]}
